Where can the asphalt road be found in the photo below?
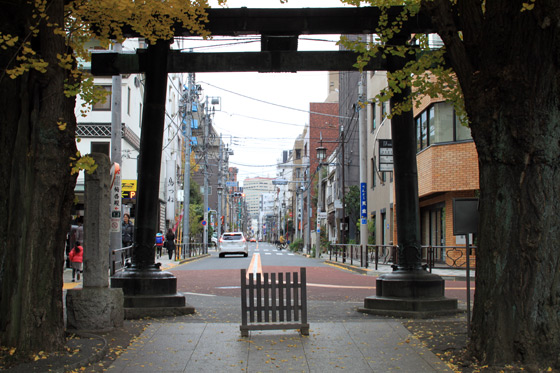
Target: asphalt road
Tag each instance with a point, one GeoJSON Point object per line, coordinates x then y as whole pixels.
{"type": "Point", "coordinates": [212, 285]}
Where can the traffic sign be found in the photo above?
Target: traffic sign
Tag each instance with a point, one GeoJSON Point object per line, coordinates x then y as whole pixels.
{"type": "Point", "coordinates": [279, 182]}
{"type": "Point", "coordinates": [203, 222]}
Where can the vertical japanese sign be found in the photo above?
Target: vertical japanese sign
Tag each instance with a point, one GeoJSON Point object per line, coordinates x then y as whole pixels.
{"type": "Point", "coordinates": [385, 155]}
{"type": "Point", "coordinates": [363, 202]}
{"type": "Point", "coordinates": [116, 198]}
{"type": "Point", "coordinates": [170, 188]}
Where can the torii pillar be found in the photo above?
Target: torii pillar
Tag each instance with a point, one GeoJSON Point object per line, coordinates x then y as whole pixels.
{"type": "Point", "coordinates": [410, 290]}
{"type": "Point", "coordinates": [149, 291]}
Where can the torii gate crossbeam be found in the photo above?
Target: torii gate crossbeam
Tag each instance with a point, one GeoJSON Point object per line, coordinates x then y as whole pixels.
{"type": "Point", "coordinates": [409, 291]}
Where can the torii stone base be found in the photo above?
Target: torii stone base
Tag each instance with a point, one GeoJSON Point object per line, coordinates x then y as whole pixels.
{"type": "Point", "coordinates": [411, 294]}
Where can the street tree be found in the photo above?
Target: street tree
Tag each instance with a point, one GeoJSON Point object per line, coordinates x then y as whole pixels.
{"type": "Point", "coordinates": [500, 65]}
{"type": "Point", "coordinates": [40, 41]}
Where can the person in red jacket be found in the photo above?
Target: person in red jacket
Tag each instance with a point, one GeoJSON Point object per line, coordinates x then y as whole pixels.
{"type": "Point", "coordinates": [76, 258]}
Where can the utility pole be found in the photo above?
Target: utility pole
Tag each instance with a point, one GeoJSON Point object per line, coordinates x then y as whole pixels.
{"type": "Point", "coordinates": [190, 97]}
{"type": "Point", "coordinates": [115, 240]}
{"type": "Point", "coordinates": [319, 208]}
{"type": "Point", "coordinates": [343, 230]}
{"type": "Point", "coordinates": [308, 210]}
{"type": "Point", "coordinates": [205, 147]}
{"type": "Point", "coordinates": [296, 217]}
{"type": "Point", "coordinates": [302, 189]}
{"type": "Point", "coordinates": [362, 131]}
{"type": "Point", "coordinates": [220, 191]}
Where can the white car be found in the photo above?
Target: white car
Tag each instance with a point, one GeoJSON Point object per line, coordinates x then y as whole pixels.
{"type": "Point", "coordinates": [233, 243]}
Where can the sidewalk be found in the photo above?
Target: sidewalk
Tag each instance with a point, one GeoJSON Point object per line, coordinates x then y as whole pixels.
{"type": "Point", "coordinates": [376, 346]}
{"type": "Point", "coordinates": [451, 274]}
{"type": "Point", "coordinates": [184, 345]}
{"type": "Point", "coordinates": [166, 264]}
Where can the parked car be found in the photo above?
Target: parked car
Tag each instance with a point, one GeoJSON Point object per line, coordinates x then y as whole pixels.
{"type": "Point", "coordinates": [233, 243]}
{"type": "Point", "coordinates": [214, 240]}
{"type": "Point", "coordinates": [253, 240]}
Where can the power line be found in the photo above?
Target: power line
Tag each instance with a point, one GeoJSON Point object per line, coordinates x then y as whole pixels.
{"type": "Point", "coordinates": [272, 103]}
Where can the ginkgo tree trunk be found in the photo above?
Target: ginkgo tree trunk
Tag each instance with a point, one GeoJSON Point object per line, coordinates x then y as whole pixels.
{"type": "Point", "coordinates": [39, 43]}
{"type": "Point", "coordinates": [505, 55]}
{"type": "Point", "coordinates": [37, 129]}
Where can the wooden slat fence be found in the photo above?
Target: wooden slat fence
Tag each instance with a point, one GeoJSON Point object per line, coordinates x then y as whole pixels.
{"type": "Point", "coordinates": [274, 301]}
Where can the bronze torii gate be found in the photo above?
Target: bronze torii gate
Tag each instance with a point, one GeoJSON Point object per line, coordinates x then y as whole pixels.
{"type": "Point", "coordinates": [409, 290]}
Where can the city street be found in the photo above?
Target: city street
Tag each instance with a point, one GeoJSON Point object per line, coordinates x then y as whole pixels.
{"type": "Point", "coordinates": [212, 284]}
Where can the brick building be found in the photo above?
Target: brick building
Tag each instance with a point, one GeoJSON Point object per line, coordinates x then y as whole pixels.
{"type": "Point", "coordinates": [447, 163]}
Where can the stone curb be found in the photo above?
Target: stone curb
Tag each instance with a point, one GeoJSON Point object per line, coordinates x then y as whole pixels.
{"type": "Point", "coordinates": [362, 271]}
{"type": "Point", "coordinates": [183, 261]}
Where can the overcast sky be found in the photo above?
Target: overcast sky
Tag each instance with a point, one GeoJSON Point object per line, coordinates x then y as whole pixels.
{"type": "Point", "coordinates": [258, 131]}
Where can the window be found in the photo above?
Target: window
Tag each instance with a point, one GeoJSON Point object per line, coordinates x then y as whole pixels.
{"type": "Point", "coordinates": [298, 153]}
{"type": "Point", "coordinates": [373, 117]}
{"type": "Point", "coordinates": [372, 173]}
{"type": "Point", "coordinates": [101, 147]}
{"type": "Point", "coordinates": [383, 110]}
{"type": "Point", "coordinates": [439, 124]}
{"type": "Point", "coordinates": [104, 106]}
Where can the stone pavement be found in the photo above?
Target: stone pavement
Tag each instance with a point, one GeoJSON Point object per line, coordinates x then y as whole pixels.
{"type": "Point", "coordinates": [376, 346]}
{"type": "Point", "coordinates": [177, 345]}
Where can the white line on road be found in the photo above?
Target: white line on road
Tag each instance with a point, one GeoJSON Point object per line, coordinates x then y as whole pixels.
{"type": "Point", "coordinates": [203, 295]}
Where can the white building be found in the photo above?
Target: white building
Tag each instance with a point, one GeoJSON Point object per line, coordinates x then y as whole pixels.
{"type": "Point", "coordinates": [253, 189]}
{"type": "Point", "coordinates": [94, 134]}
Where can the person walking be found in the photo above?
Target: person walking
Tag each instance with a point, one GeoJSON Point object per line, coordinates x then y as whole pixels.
{"type": "Point", "coordinates": [76, 258]}
{"type": "Point", "coordinates": [127, 231]}
{"type": "Point", "coordinates": [159, 243]}
{"type": "Point", "coordinates": [170, 243]}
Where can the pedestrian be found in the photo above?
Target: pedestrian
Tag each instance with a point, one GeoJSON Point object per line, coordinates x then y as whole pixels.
{"type": "Point", "coordinates": [127, 231]}
{"type": "Point", "coordinates": [159, 243]}
{"type": "Point", "coordinates": [76, 258]}
{"type": "Point", "coordinates": [170, 242]}
{"type": "Point", "coordinates": [80, 229]}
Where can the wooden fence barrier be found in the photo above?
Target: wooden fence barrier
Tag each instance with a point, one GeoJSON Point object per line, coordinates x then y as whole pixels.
{"type": "Point", "coordinates": [279, 304]}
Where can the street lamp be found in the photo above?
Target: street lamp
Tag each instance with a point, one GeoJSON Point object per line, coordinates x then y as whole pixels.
{"type": "Point", "coordinates": [321, 155]}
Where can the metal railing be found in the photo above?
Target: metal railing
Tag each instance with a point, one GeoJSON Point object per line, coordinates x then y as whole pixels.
{"type": "Point", "coordinates": [120, 258]}
{"type": "Point", "coordinates": [441, 257]}
{"type": "Point", "coordinates": [193, 249]}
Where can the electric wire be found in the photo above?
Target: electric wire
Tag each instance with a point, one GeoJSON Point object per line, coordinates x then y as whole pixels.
{"type": "Point", "coordinates": [272, 103]}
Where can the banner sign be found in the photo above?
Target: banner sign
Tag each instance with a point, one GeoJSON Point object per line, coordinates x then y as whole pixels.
{"type": "Point", "coordinates": [116, 198]}
{"type": "Point", "coordinates": [170, 189]}
{"type": "Point", "coordinates": [363, 202]}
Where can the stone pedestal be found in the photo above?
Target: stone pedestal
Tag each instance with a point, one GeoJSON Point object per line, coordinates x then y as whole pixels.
{"type": "Point", "coordinates": [410, 293]}
{"type": "Point", "coordinates": [150, 292]}
{"type": "Point", "coordinates": [94, 309]}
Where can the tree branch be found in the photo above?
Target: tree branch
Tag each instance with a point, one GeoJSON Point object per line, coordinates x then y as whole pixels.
{"type": "Point", "coordinates": [444, 18]}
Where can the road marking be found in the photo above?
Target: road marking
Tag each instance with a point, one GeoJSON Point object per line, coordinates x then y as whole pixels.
{"type": "Point", "coordinates": [316, 285]}
{"type": "Point", "coordinates": [255, 266]}
{"type": "Point", "coordinates": [340, 286]}
{"type": "Point", "coordinates": [279, 254]}
{"type": "Point", "coordinates": [227, 287]}
{"type": "Point", "coordinates": [70, 285]}
{"type": "Point", "coordinates": [291, 254]}
{"type": "Point", "coordinates": [205, 295]}
{"type": "Point", "coordinates": [267, 253]}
